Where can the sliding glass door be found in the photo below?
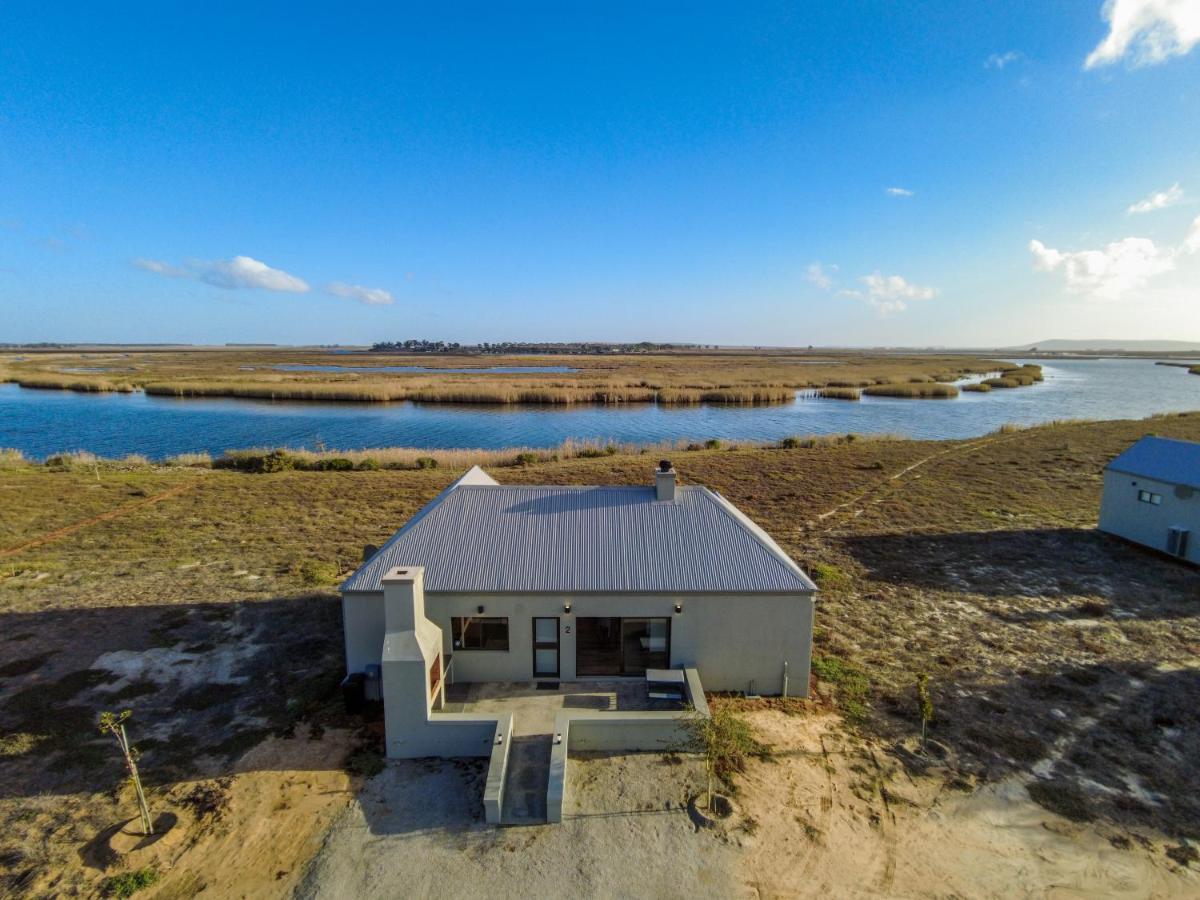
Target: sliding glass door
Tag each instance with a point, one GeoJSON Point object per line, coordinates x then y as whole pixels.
{"type": "Point", "coordinates": [614, 646]}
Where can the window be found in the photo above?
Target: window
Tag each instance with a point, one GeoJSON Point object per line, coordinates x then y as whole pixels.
{"type": "Point", "coordinates": [479, 633]}
{"type": "Point", "coordinates": [1148, 497]}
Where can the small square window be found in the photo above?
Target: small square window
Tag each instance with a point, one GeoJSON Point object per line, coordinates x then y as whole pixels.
{"type": "Point", "coordinates": [479, 633]}
{"type": "Point", "coordinates": [1150, 497]}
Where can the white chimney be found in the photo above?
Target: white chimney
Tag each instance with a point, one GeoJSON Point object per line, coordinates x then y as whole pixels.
{"type": "Point", "coordinates": [664, 481]}
{"type": "Point", "coordinates": [404, 598]}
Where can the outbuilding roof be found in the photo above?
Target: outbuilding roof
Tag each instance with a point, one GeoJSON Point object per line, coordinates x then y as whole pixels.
{"type": "Point", "coordinates": [1163, 459]}
{"type": "Point", "coordinates": [478, 536]}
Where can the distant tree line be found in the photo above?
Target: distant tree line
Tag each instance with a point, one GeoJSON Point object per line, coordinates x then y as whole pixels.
{"type": "Point", "coordinates": [510, 347]}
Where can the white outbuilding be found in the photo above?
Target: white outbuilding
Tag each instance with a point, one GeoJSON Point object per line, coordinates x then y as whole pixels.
{"type": "Point", "coordinates": [1152, 496]}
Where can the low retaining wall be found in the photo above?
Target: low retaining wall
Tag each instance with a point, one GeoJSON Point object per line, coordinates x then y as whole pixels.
{"type": "Point", "coordinates": [493, 788]}
{"type": "Point", "coordinates": [587, 729]}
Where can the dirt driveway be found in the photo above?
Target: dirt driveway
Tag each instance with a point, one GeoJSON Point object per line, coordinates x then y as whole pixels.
{"type": "Point", "coordinates": [827, 815]}
{"type": "Point", "coordinates": [416, 831]}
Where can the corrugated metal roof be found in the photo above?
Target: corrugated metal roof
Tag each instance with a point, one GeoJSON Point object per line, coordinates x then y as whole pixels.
{"type": "Point", "coordinates": [1163, 459]}
{"type": "Point", "coordinates": [487, 538]}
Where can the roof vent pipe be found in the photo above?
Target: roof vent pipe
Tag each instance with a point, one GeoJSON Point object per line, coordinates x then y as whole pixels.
{"type": "Point", "coordinates": [664, 481]}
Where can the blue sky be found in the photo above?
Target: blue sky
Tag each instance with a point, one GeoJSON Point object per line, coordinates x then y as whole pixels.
{"type": "Point", "coordinates": [560, 171]}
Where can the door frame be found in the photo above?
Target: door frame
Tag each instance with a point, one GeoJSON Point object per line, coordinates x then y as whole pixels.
{"type": "Point", "coordinates": [556, 646]}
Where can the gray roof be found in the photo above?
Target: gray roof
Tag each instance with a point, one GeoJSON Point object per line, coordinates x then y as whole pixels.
{"type": "Point", "coordinates": [481, 537]}
{"type": "Point", "coordinates": [1163, 459]}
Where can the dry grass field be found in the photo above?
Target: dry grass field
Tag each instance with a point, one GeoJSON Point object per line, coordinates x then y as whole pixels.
{"type": "Point", "coordinates": [684, 377]}
{"type": "Point", "coordinates": [204, 601]}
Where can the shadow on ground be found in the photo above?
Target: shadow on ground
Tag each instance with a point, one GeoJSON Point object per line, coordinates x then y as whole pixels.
{"type": "Point", "coordinates": [205, 682]}
{"type": "Point", "coordinates": [1044, 562]}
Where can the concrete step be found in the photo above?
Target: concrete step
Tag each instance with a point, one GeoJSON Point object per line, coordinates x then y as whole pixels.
{"type": "Point", "coordinates": [525, 780]}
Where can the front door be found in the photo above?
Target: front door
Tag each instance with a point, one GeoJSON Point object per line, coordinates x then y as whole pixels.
{"type": "Point", "coordinates": [545, 647]}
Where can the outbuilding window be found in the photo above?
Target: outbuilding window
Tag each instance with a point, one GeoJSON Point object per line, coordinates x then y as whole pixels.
{"type": "Point", "coordinates": [479, 632]}
{"type": "Point", "coordinates": [1149, 497]}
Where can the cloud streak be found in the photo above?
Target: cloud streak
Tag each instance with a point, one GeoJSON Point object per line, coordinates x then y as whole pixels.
{"type": "Point", "coordinates": [1159, 200]}
{"type": "Point", "coordinates": [1148, 32]}
{"type": "Point", "coordinates": [899, 192]}
{"type": "Point", "coordinates": [367, 295]}
{"type": "Point", "coordinates": [240, 272]}
{"type": "Point", "coordinates": [817, 274]}
{"type": "Point", "coordinates": [1000, 60]}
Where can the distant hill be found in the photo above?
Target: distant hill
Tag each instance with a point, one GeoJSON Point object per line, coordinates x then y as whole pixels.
{"type": "Point", "coordinates": [1109, 346]}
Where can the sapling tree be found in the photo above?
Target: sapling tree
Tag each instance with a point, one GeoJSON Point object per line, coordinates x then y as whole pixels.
{"type": "Point", "coordinates": [114, 724]}
{"type": "Point", "coordinates": [724, 740]}
{"type": "Point", "coordinates": [924, 703]}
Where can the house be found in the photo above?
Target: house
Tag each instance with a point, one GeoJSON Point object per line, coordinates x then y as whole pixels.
{"type": "Point", "coordinates": [1152, 496]}
{"type": "Point", "coordinates": [517, 583]}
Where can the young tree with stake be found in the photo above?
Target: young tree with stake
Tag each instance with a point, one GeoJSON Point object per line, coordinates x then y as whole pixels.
{"type": "Point", "coordinates": [114, 724]}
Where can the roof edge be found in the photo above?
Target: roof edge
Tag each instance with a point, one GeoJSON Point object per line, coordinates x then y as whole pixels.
{"type": "Point", "coordinates": [474, 476]}
{"type": "Point", "coordinates": [757, 532]}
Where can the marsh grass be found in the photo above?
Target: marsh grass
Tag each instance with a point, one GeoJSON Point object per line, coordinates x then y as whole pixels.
{"type": "Point", "coordinates": [839, 393]}
{"type": "Point", "coordinates": [926, 390]}
{"type": "Point", "coordinates": [680, 378]}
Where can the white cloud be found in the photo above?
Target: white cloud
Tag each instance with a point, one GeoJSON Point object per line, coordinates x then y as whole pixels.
{"type": "Point", "coordinates": [161, 268]}
{"type": "Point", "coordinates": [817, 274]}
{"type": "Point", "coordinates": [1148, 31]}
{"type": "Point", "coordinates": [889, 294]}
{"type": "Point", "coordinates": [1159, 200]}
{"type": "Point", "coordinates": [229, 274]}
{"type": "Point", "coordinates": [1107, 274]}
{"type": "Point", "coordinates": [369, 296]}
{"type": "Point", "coordinates": [1000, 60]}
{"type": "Point", "coordinates": [1119, 268]}
{"type": "Point", "coordinates": [899, 192]}
{"type": "Point", "coordinates": [1191, 243]}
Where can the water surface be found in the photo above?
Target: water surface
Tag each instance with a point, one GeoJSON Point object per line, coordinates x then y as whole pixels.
{"type": "Point", "coordinates": [42, 422]}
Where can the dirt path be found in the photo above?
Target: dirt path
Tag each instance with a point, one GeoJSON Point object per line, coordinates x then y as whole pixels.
{"type": "Point", "coordinates": [885, 486]}
{"type": "Point", "coordinates": [123, 510]}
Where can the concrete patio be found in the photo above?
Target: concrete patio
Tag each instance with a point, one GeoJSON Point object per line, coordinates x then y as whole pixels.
{"type": "Point", "coordinates": [534, 708]}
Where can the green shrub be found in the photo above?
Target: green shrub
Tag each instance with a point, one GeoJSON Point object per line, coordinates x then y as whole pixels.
{"type": "Point", "coordinates": [793, 443]}
{"type": "Point", "coordinates": [525, 459]}
{"type": "Point", "coordinates": [368, 464]}
{"type": "Point", "coordinates": [335, 464]}
{"type": "Point", "coordinates": [365, 761]}
{"type": "Point", "coordinates": [853, 685]}
{"type": "Point", "coordinates": [828, 575]}
{"type": "Point", "coordinates": [712, 444]}
{"type": "Point", "coordinates": [314, 572]}
{"type": "Point", "coordinates": [128, 883]}
{"type": "Point", "coordinates": [426, 462]}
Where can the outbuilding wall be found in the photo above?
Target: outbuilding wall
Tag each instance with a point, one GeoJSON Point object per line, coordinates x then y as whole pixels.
{"type": "Point", "coordinates": [1122, 514]}
{"type": "Point", "coordinates": [738, 642]}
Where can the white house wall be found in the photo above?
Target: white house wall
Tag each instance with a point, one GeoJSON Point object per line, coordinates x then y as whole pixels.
{"type": "Point", "coordinates": [738, 642]}
{"type": "Point", "coordinates": [1121, 513]}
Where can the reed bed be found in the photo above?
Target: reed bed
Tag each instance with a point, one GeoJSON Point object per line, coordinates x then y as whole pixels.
{"type": "Point", "coordinates": [839, 393]}
{"type": "Point", "coordinates": [978, 387]}
{"type": "Point", "coordinates": [54, 383]}
{"type": "Point", "coordinates": [934, 391]}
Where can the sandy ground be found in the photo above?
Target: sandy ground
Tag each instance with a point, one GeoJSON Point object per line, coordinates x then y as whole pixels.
{"type": "Point", "coordinates": [840, 817]}
{"type": "Point", "coordinates": [417, 831]}
{"type": "Point", "coordinates": [279, 808]}
{"type": "Point", "coordinates": [826, 815]}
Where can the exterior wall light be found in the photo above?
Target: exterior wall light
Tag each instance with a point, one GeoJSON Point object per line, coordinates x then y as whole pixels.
{"type": "Point", "coordinates": [567, 607]}
{"type": "Point", "coordinates": [678, 609]}
{"type": "Point", "coordinates": [481, 609]}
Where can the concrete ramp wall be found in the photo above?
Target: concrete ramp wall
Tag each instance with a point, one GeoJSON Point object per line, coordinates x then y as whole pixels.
{"type": "Point", "coordinates": [656, 732]}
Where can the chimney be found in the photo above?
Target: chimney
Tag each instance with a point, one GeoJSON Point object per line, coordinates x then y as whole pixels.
{"type": "Point", "coordinates": [664, 481]}
{"type": "Point", "coordinates": [403, 598]}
